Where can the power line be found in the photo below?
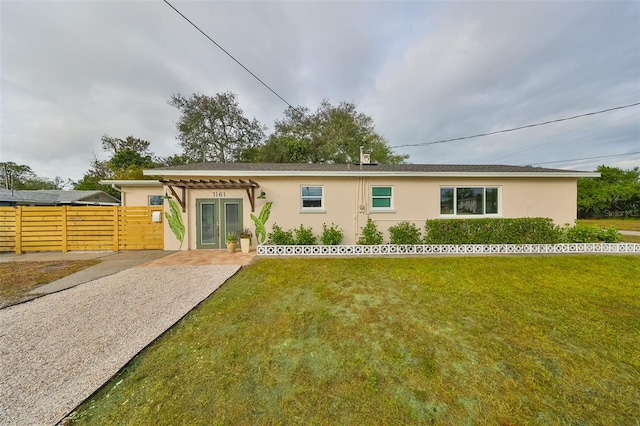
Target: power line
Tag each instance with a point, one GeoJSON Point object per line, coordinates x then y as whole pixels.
{"type": "Point", "coordinates": [515, 128]}
{"type": "Point", "coordinates": [229, 54]}
{"type": "Point", "coordinates": [585, 158]}
{"type": "Point", "coordinates": [565, 137]}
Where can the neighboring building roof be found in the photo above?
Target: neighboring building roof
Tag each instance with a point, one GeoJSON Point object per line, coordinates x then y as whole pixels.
{"type": "Point", "coordinates": [320, 169]}
{"type": "Point", "coordinates": [56, 197]}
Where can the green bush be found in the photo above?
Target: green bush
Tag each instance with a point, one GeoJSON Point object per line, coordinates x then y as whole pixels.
{"type": "Point", "coordinates": [536, 230]}
{"type": "Point", "coordinates": [305, 237]}
{"type": "Point", "coordinates": [280, 237]}
{"type": "Point", "coordinates": [405, 233]}
{"type": "Point", "coordinates": [370, 235]}
{"type": "Point", "coordinates": [592, 234]}
{"type": "Point", "coordinates": [331, 236]}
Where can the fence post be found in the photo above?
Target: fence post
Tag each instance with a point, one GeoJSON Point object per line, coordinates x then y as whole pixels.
{"type": "Point", "coordinates": [18, 239]}
{"type": "Point", "coordinates": [116, 228]}
{"type": "Point", "coordinates": [63, 217]}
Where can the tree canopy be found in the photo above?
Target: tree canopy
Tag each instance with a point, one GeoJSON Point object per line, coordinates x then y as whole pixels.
{"type": "Point", "coordinates": [215, 128]}
{"type": "Point", "coordinates": [332, 134]}
{"type": "Point", "coordinates": [127, 160]}
{"type": "Point", "coordinates": [22, 177]}
{"type": "Point", "coordinates": [616, 192]}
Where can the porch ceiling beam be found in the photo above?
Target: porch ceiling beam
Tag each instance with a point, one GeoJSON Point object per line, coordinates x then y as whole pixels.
{"type": "Point", "coordinates": [249, 187]}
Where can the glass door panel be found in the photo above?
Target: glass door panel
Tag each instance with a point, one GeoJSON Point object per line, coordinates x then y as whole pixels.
{"type": "Point", "coordinates": [207, 224]}
{"type": "Point", "coordinates": [232, 218]}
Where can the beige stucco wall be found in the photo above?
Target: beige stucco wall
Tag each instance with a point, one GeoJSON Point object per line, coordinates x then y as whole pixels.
{"type": "Point", "coordinates": [138, 195]}
{"type": "Point", "coordinates": [348, 201]}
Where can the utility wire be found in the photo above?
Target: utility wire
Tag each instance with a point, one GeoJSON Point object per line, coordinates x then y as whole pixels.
{"type": "Point", "coordinates": [515, 128]}
{"type": "Point", "coordinates": [229, 54]}
{"type": "Point", "coordinates": [564, 137]}
{"type": "Point", "coordinates": [586, 158]}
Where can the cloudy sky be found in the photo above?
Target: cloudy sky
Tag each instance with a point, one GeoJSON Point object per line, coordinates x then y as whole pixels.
{"type": "Point", "coordinates": [72, 71]}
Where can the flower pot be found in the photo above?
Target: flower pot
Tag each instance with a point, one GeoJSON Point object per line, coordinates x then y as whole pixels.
{"type": "Point", "coordinates": [232, 246]}
{"type": "Point", "coordinates": [245, 243]}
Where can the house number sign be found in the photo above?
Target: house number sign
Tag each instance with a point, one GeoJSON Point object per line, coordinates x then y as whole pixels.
{"type": "Point", "coordinates": [219, 194]}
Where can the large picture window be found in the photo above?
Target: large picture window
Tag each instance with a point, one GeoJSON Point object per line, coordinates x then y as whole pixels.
{"type": "Point", "coordinates": [381, 198]}
{"type": "Point", "coordinates": [466, 201]}
{"type": "Point", "coordinates": [312, 198]}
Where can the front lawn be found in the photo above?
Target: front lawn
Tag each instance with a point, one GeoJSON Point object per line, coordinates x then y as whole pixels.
{"type": "Point", "coordinates": [442, 340]}
{"type": "Point", "coordinates": [621, 224]}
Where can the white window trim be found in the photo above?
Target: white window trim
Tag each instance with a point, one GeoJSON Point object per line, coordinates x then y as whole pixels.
{"type": "Point", "coordinates": [469, 216]}
{"type": "Point", "coordinates": [390, 209]}
{"type": "Point", "coordinates": [320, 209]}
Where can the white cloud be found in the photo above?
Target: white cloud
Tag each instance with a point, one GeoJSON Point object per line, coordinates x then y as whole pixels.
{"type": "Point", "coordinates": [73, 71]}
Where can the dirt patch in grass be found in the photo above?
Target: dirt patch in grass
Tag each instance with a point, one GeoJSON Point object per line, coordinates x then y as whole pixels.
{"type": "Point", "coordinates": [482, 340]}
{"type": "Point", "coordinates": [17, 279]}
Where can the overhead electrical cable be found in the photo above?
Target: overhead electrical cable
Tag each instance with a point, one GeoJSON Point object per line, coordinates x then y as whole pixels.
{"type": "Point", "coordinates": [585, 158]}
{"type": "Point", "coordinates": [566, 137]}
{"type": "Point", "coordinates": [229, 54]}
{"type": "Point", "coordinates": [515, 128]}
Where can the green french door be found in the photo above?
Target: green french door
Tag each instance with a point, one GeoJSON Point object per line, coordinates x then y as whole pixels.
{"type": "Point", "coordinates": [215, 218]}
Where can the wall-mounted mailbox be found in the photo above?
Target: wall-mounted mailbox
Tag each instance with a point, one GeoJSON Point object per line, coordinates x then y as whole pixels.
{"type": "Point", "coordinates": [156, 216]}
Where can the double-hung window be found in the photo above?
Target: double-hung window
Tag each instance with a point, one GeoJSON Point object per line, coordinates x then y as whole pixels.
{"type": "Point", "coordinates": [469, 201]}
{"type": "Point", "coordinates": [382, 198]}
{"type": "Point", "coordinates": [312, 198]}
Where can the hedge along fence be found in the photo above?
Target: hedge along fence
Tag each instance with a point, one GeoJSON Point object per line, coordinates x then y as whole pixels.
{"type": "Point", "coordinates": [472, 236]}
{"type": "Point", "coordinates": [70, 228]}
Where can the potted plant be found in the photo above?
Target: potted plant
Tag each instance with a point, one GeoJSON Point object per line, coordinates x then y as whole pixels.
{"type": "Point", "coordinates": [232, 242]}
{"type": "Point", "coordinates": [245, 240]}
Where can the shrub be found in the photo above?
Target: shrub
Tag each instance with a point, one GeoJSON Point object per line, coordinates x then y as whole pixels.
{"type": "Point", "coordinates": [592, 234]}
{"type": "Point", "coordinates": [370, 235]}
{"type": "Point", "coordinates": [280, 237]}
{"type": "Point", "coordinates": [405, 233]}
{"type": "Point", "coordinates": [331, 236]}
{"type": "Point", "coordinates": [305, 237]}
{"type": "Point", "coordinates": [536, 230]}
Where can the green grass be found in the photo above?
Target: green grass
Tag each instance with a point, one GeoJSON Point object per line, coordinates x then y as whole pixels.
{"type": "Point", "coordinates": [624, 224]}
{"type": "Point", "coordinates": [458, 340]}
{"type": "Point", "coordinates": [17, 279]}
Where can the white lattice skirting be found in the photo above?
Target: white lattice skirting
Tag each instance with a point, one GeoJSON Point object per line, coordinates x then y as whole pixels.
{"type": "Point", "coordinates": [392, 249]}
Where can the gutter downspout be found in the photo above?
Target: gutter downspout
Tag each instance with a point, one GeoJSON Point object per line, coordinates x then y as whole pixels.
{"type": "Point", "coordinates": [113, 185]}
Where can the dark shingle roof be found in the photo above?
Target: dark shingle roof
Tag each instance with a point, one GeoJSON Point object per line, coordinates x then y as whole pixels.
{"type": "Point", "coordinates": [320, 167]}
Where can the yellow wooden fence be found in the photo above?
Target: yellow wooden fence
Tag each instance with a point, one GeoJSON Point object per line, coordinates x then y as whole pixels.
{"type": "Point", "coordinates": [68, 228]}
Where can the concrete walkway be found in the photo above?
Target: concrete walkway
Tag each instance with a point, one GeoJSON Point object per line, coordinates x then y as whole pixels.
{"type": "Point", "coordinates": [636, 233]}
{"type": "Point", "coordinates": [56, 350]}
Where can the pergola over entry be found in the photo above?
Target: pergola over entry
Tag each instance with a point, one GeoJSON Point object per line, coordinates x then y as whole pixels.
{"type": "Point", "coordinates": [249, 186]}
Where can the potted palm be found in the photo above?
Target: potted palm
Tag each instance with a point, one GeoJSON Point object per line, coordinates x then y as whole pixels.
{"type": "Point", "coordinates": [245, 240]}
{"type": "Point", "coordinates": [232, 242]}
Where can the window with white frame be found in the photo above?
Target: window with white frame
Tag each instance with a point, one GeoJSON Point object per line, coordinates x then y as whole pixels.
{"type": "Point", "coordinates": [312, 198]}
{"type": "Point", "coordinates": [381, 198]}
{"type": "Point", "coordinates": [469, 201]}
{"type": "Point", "coordinates": [155, 200]}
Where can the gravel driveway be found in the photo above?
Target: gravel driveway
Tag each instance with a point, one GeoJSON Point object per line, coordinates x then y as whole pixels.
{"type": "Point", "coordinates": [55, 351]}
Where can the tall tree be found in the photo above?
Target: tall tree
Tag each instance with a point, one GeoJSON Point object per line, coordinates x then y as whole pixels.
{"type": "Point", "coordinates": [616, 190]}
{"type": "Point", "coordinates": [22, 177]}
{"type": "Point", "coordinates": [127, 159]}
{"type": "Point", "coordinates": [332, 134]}
{"type": "Point", "coordinates": [215, 128]}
